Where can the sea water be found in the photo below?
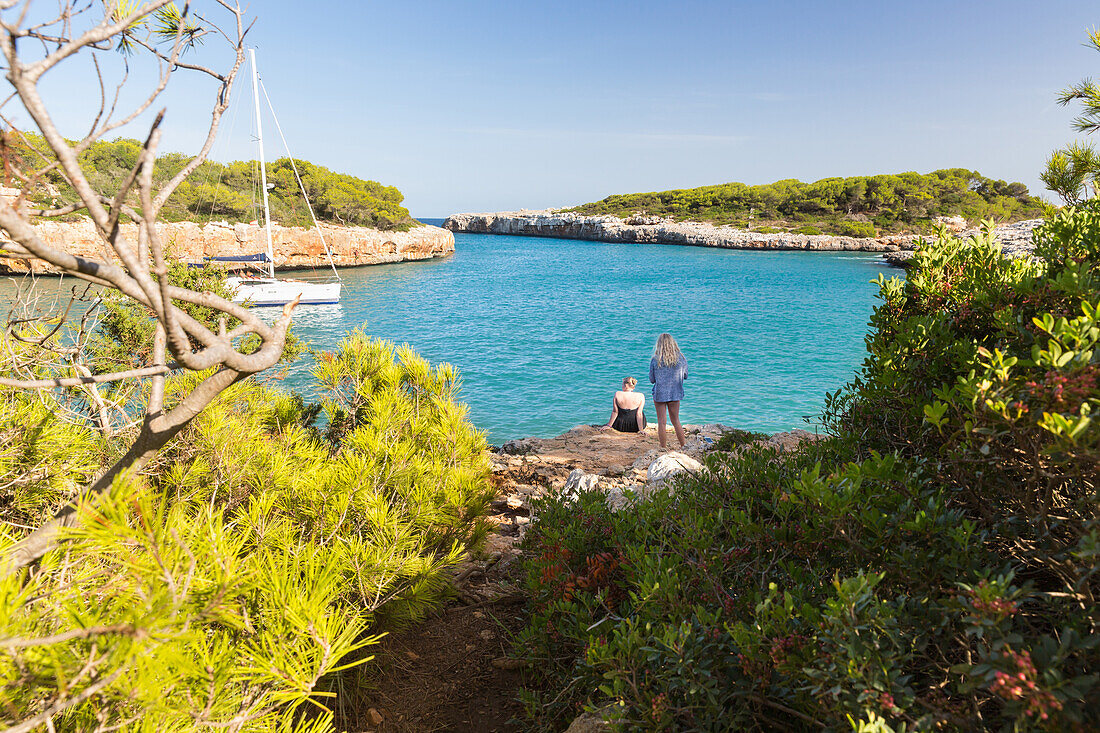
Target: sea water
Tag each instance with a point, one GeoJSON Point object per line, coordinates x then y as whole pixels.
{"type": "Point", "coordinates": [543, 331]}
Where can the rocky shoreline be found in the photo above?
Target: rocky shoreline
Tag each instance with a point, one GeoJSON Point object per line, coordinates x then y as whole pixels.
{"type": "Point", "coordinates": [625, 467]}
{"type": "Point", "coordinates": [651, 229]}
{"type": "Point", "coordinates": [293, 247]}
{"type": "Point", "coordinates": [1016, 237]}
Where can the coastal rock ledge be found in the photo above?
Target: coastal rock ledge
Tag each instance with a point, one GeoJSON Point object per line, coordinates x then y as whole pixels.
{"type": "Point", "coordinates": [607, 228]}
{"type": "Point", "coordinates": [294, 247]}
{"type": "Point", "coordinates": [896, 249]}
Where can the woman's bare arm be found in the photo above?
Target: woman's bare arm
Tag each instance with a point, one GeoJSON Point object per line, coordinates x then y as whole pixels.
{"type": "Point", "coordinates": [614, 414]}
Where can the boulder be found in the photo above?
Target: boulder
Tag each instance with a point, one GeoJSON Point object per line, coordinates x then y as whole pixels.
{"type": "Point", "coordinates": [589, 723]}
{"type": "Point", "coordinates": [579, 482]}
{"type": "Point", "coordinates": [667, 467]}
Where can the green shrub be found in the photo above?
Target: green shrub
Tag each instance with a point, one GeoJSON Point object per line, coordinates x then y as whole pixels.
{"type": "Point", "coordinates": [255, 557]}
{"type": "Point", "coordinates": [768, 230]}
{"type": "Point", "coordinates": [933, 566]}
{"type": "Point", "coordinates": [44, 459]}
{"type": "Point", "coordinates": [863, 229]}
{"type": "Point", "coordinates": [807, 229]}
{"type": "Point", "coordinates": [735, 438]}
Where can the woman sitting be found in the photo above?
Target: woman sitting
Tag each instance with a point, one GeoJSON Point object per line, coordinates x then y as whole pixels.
{"type": "Point", "coordinates": [626, 409]}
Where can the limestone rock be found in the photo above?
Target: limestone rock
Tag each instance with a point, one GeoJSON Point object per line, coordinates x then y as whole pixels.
{"type": "Point", "coordinates": [953, 223]}
{"type": "Point", "coordinates": [588, 723]}
{"type": "Point", "coordinates": [668, 466]}
{"type": "Point", "coordinates": [642, 464]}
{"type": "Point", "coordinates": [520, 446]}
{"type": "Point", "coordinates": [1015, 238]}
{"type": "Point", "coordinates": [789, 440]}
{"type": "Point", "coordinates": [293, 247]}
{"type": "Point", "coordinates": [641, 228]}
{"type": "Point", "coordinates": [579, 482]}
{"type": "Point", "coordinates": [618, 499]}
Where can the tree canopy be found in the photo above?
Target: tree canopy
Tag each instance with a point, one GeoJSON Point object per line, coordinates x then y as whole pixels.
{"type": "Point", "coordinates": [890, 203]}
{"type": "Point", "coordinates": [231, 191]}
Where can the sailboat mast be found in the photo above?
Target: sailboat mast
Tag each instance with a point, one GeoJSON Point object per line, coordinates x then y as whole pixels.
{"type": "Point", "coordinates": [263, 165]}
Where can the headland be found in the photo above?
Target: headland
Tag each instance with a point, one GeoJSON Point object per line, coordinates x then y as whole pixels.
{"type": "Point", "coordinates": [657, 230]}
{"type": "Point", "coordinates": [293, 247]}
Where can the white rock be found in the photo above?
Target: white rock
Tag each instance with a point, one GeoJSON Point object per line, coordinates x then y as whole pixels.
{"type": "Point", "coordinates": [645, 459]}
{"type": "Point", "coordinates": [616, 500]}
{"type": "Point", "coordinates": [668, 466]}
{"type": "Point", "coordinates": [579, 482]}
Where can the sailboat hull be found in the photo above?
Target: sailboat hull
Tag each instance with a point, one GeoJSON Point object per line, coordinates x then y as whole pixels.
{"type": "Point", "coordinates": [262, 292]}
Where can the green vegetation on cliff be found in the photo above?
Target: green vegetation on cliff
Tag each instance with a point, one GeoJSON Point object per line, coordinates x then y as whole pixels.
{"type": "Point", "coordinates": [856, 206]}
{"type": "Point", "coordinates": [231, 191]}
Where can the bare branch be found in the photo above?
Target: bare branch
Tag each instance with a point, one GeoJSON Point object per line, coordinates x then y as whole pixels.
{"type": "Point", "coordinates": [81, 380]}
{"type": "Point", "coordinates": [64, 703]}
{"type": "Point", "coordinates": [86, 633]}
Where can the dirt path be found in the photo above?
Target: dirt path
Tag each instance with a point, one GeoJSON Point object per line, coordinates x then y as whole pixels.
{"type": "Point", "coordinates": [453, 672]}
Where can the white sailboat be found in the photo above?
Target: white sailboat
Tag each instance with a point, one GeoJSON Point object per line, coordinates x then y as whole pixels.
{"type": "Point", "coordinates": [269, 291]}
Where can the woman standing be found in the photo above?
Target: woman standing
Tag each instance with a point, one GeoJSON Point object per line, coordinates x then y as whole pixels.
{"type": "Point", "coordinates": [667, 370]}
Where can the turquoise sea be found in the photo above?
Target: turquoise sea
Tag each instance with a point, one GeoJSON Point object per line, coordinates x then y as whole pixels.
{"type": "Point", "coordinates": [543, 330]}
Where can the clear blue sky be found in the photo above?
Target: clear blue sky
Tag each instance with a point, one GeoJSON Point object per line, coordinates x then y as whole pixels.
{"type": "Point", "coordinates": [498, 105]}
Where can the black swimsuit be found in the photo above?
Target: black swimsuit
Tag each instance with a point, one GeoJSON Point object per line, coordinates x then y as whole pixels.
{"type": "Point", "coordinates": [627, 420]}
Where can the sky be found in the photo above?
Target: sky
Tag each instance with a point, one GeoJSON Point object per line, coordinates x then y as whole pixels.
{"type": "Point", "coordinates": [501, 105]}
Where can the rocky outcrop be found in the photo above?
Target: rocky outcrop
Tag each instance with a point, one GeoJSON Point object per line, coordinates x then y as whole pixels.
{"type": "Point", "coordinates": [606, 228]}
{"type": "Point", "coordinates": [1015, 237]}
{"type": "Point", "coordinates": [625, 467]}
{"type": "Point", "coordinates": [294, 247]}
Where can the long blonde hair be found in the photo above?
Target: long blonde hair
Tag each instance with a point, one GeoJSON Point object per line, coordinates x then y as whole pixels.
{"type": "Point", "coordinates": [666, 352]}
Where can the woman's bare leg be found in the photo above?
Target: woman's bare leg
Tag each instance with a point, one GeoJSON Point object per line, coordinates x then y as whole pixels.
{"type": "Point", "coordinates": [674, 416]}
{"type": "Point", "coordinates": [661, 407]}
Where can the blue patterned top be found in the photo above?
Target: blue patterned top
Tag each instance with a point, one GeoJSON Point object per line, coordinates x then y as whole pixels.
{"type": "Point", "coordinates": [668, 381]}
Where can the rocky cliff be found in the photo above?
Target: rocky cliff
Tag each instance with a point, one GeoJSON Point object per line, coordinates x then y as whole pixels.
{"type": "Point", "coordinates": [567, 225]}
{"type": "Point", "coordinates": [1015, 237]}
{"type": "Point", "coordinates": [294, 247]}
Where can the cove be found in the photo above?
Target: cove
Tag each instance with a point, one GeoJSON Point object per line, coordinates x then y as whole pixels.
{"type": "Point", "coordinates": [543, 330]}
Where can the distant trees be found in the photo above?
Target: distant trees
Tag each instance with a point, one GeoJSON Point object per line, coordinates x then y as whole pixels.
{"type": "Point", "coordinates": [901, 202]}
{"type": "Point", "coordinates": [228, 191]}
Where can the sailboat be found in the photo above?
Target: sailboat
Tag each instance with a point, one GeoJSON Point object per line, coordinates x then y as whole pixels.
{"type": "Point", "coordinates": [270, 290]}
